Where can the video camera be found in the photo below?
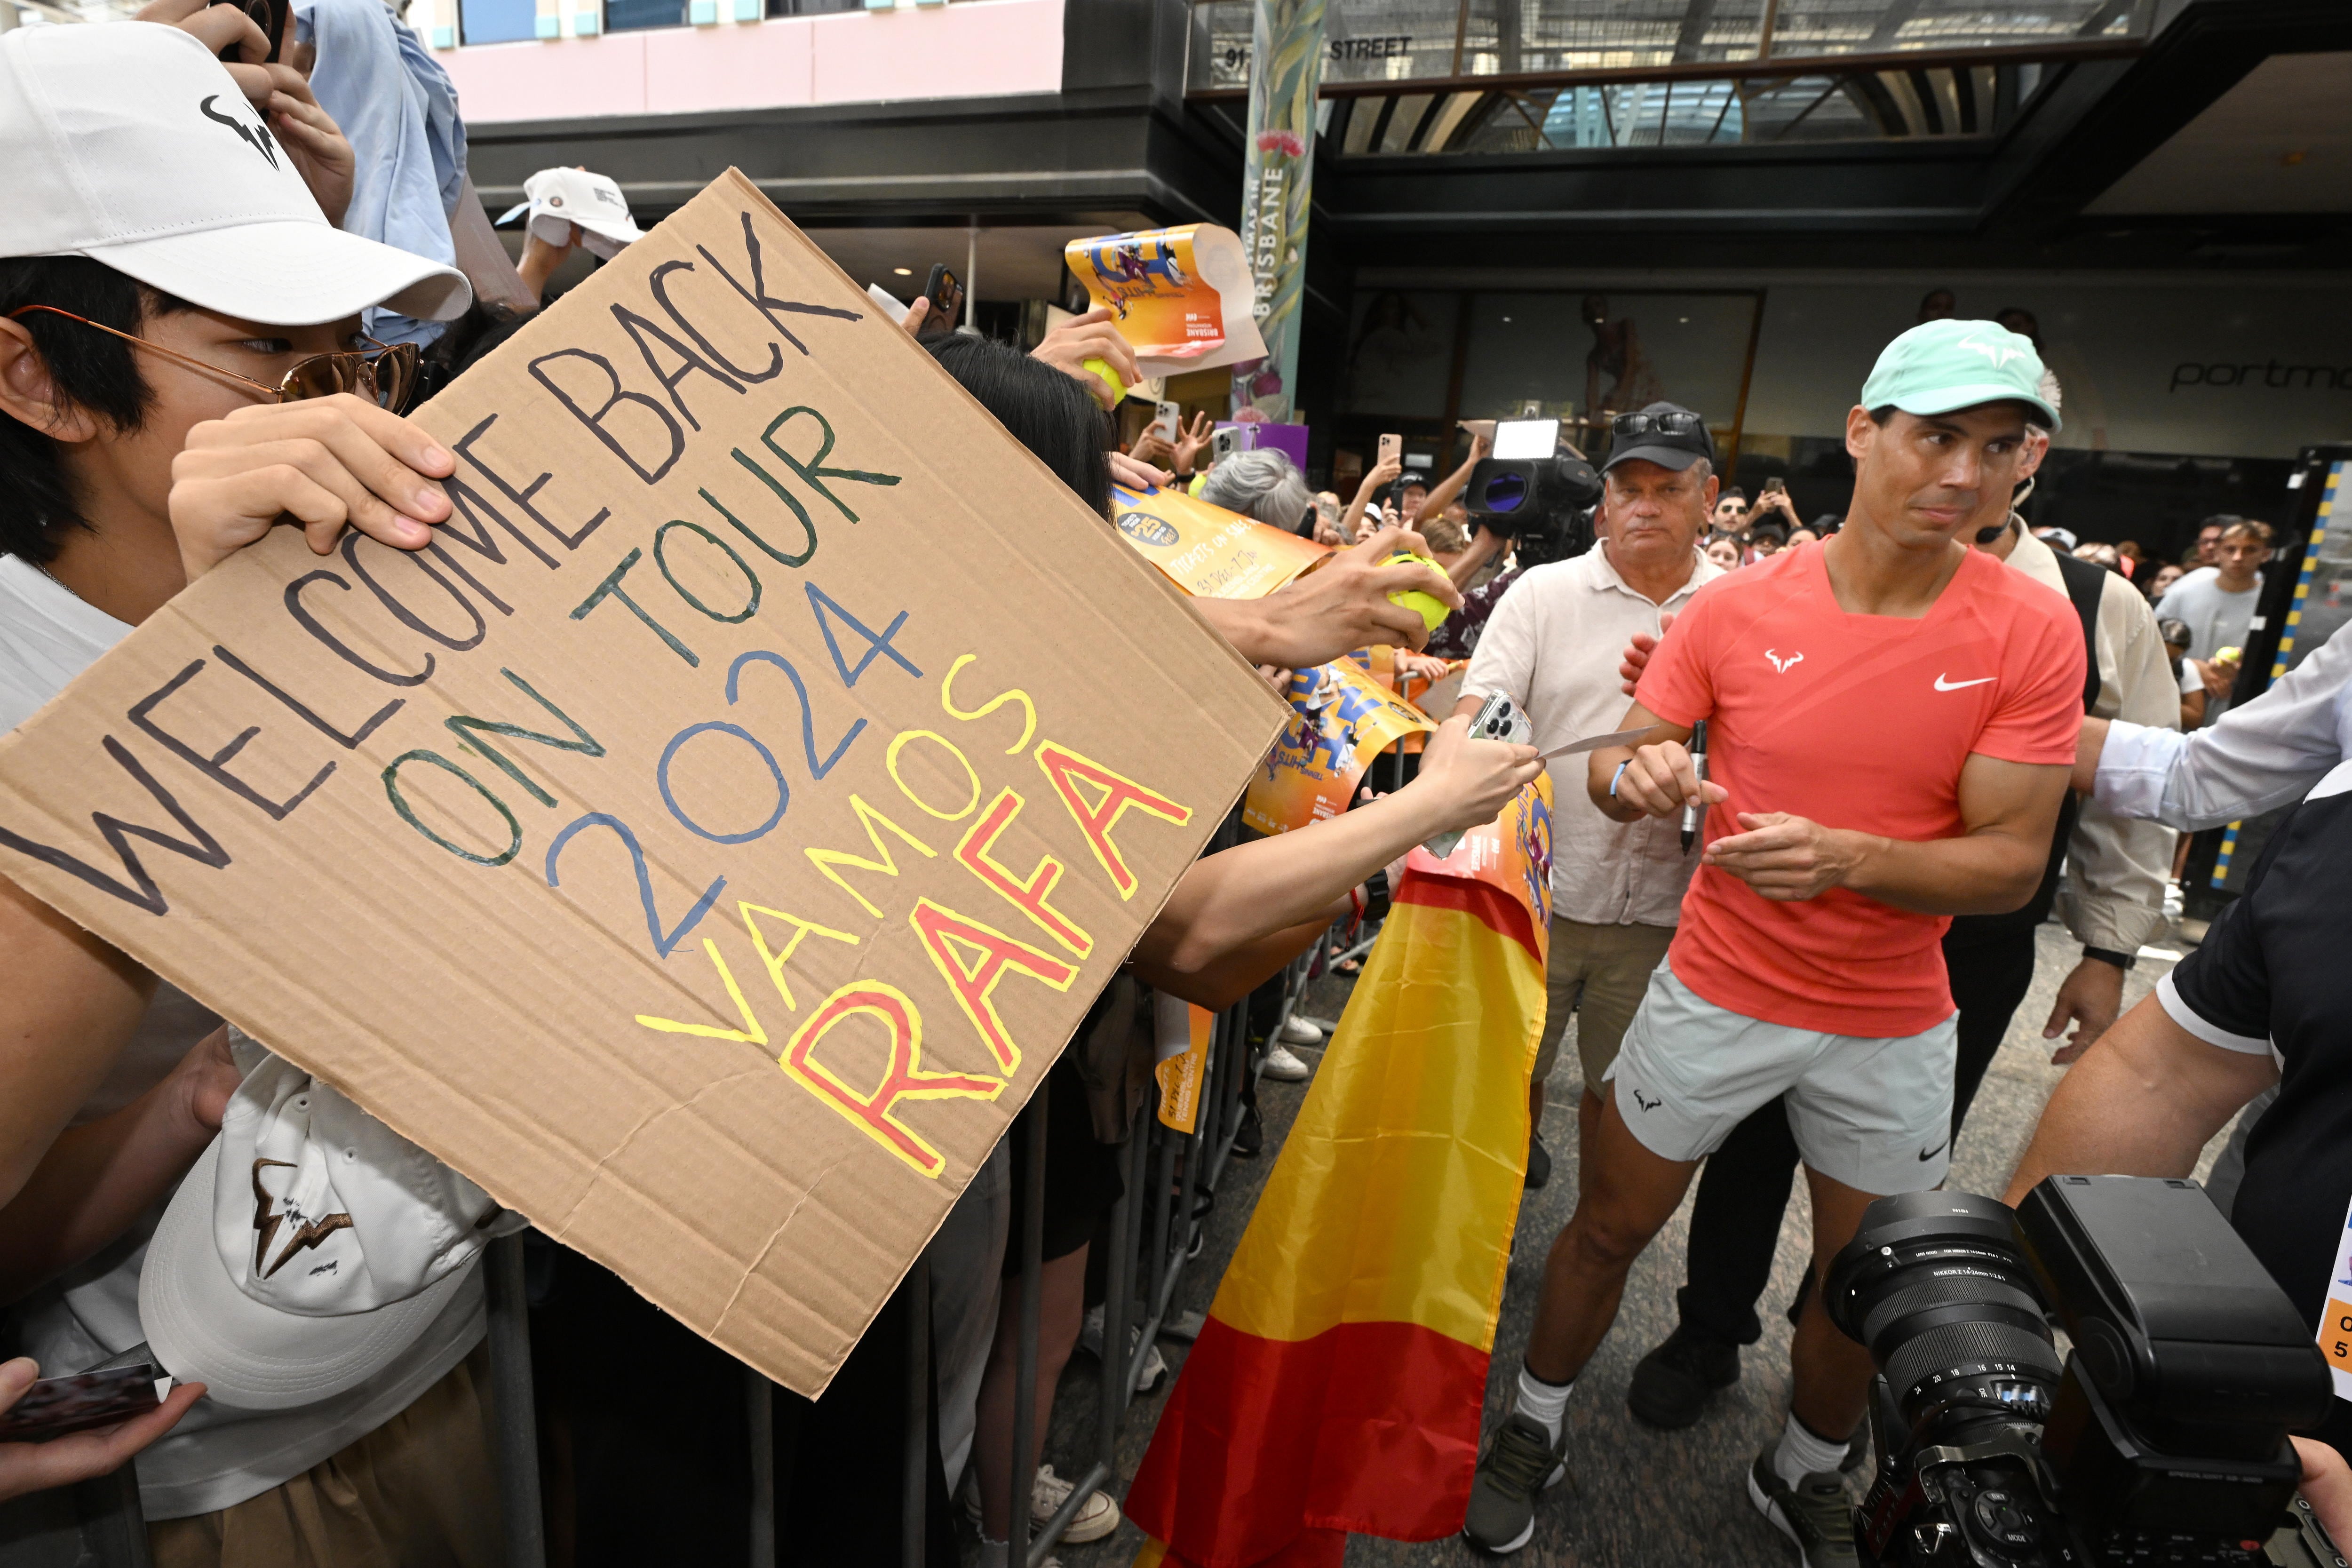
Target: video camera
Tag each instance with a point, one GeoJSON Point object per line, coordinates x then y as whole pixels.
{"type": "Point", "coordinates": [2161, 1438]}
{"type": "Point", "coordinates": [1535, 488]}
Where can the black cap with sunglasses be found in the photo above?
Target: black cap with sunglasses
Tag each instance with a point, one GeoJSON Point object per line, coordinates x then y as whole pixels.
{"type": "Point", "coordinates": [1665, 434]}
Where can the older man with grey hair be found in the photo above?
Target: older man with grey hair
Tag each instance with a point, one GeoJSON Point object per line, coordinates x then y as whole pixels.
{"type": "Point", "coordinates": [1616, 888]}
{"type": "Point", "coordinates": [1263, 484]}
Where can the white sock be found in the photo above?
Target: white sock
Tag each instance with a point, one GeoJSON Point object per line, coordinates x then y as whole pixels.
{"type": "Point", "coordinates": [1802, 1454]}
{"type": "Point", "coordinates": [1545, 1403]}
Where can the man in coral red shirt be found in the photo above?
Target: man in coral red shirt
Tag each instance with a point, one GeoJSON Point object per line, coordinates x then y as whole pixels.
{"type": "Point", "coordinates": [1891, 719]}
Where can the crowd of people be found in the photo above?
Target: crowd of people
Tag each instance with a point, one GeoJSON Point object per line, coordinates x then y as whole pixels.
{"type": "Point", "coordinates": [193, 351]}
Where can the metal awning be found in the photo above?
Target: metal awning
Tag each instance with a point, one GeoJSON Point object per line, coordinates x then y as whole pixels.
{"type": "Point", "coordinates": [1541, 75]}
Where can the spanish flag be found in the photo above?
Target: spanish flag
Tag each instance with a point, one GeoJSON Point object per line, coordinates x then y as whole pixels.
{"type": "Point", "coordinates": [1338, 1383]}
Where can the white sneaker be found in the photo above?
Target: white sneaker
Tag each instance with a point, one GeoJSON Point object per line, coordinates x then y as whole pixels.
{"type": "Point", "coordinates": [1297, 1031]}
{"type": "Point", "coordinates": [1099, 1516]}
{"type": "Point", "coordinates": [1284, 1068]}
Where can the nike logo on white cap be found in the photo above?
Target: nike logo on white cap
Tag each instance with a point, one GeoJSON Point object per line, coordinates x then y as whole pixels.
{"type": "Point", "coordinates": [1944, 685]}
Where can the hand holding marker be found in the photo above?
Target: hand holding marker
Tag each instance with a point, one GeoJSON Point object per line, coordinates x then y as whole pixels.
{"type": "Point", "coordinates": [1694, 808]}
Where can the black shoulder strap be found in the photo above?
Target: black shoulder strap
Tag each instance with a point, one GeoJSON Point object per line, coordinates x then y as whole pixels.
{"type": "Point", "coordinates": [2084, 583]}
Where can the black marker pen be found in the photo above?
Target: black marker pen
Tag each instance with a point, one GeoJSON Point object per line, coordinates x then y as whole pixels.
{"type": "Point", "coordinates": [1694, 808]}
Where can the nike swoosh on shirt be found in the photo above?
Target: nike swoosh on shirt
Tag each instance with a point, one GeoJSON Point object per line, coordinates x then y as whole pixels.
{"type": "Point", "coordinates": [1944, 685]}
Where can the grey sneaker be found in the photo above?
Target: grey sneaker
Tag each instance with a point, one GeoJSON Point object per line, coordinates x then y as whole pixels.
{"type": "Point", "coordinates": [1814, 1514]}
{"type": "Point", "coordinates": [1519, 1463]}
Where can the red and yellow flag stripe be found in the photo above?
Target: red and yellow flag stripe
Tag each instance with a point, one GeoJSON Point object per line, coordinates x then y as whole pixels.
{"type": "Point", "coordinates": [1338, 1383]}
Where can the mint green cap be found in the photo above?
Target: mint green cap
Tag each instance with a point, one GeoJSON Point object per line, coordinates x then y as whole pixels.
{"type": "Point", "coordinates": [1942, 365]}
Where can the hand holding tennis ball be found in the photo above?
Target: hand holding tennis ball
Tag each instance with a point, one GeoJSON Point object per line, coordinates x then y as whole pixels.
{"type": "Point", "coordinates": [1432, 611]}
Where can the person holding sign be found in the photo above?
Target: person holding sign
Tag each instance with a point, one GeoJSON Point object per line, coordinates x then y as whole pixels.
{"type": "Point", "coordinates": [181, 367]}
{"type": "Point", "coordinates": [1891, 717]}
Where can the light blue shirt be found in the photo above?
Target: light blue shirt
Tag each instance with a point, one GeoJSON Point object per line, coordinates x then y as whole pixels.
{"type": "Point", "coordinates": [397, 106]}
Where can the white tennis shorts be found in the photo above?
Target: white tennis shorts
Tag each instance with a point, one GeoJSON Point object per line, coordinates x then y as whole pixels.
{"type": "Point", "coordinates": [1875, 1114]}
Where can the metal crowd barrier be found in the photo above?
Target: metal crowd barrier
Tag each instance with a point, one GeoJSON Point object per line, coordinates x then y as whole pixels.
{"type": "Point", "coordinates": [1172, 1181]}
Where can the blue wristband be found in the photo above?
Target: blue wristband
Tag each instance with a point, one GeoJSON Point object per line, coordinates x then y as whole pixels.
{"type": "Point", "coordinates": [1618, 774]}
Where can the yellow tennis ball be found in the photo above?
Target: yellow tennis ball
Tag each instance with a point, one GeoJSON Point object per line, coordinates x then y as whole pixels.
{"type": "Point", "coordinates": [1431, 609]}
{"type": "Point", "coordinates": [1102, 368]}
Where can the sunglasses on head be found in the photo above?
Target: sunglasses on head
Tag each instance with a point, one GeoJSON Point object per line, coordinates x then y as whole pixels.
{"type": "Point", "coordinates": [1677, 423]}
{"type": "Point", "coordinates": [385, 375]}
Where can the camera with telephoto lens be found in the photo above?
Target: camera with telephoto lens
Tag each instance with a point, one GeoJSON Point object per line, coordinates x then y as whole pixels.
{"type": "Point", "coordinates": [1536, 489]}
{"type": "Point", "coordinates": [2161, 1438]}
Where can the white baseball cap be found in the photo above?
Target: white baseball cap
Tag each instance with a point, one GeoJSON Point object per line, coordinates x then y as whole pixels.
{"type": "Point", "coordinates": [308, 1247]}
{"type": "Point", "coordinates": [558, 197]}
{"type": "Point", "coordinates": [128, 143]}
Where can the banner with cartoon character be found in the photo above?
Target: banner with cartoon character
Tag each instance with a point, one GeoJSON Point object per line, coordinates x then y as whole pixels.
{"type": "Point", "coordinates": [1180, 296]}
{"type": "Point", "coordinates": [1341, 719]}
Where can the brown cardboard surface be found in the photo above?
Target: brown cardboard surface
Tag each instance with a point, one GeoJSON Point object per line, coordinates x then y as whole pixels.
{"type": "Point", "coordinates": [767, 730]}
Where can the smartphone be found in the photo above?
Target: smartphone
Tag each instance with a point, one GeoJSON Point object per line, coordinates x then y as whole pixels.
{"type": "Point", "coordinates": [1167, 421]}
{"type": "Point", "coordinates": [1224, 443]}
{"type": "Point", "coordinates": [946, 295]}
{"type": "Point", "coordinates": [56, 1405]}
{"type": "Point", "coordinates": [1391, 449]}
{"type": "Point", "coordinates": [1774, 483]}
{"type": "Point", "coordinates": [271, 16]}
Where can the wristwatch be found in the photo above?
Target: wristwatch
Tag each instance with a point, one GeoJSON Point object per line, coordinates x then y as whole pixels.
{"type": "Point", "coordinates": [2105, 955]}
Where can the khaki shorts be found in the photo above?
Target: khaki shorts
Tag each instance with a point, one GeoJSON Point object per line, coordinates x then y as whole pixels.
{"type": "Point", "coordinates": [1597, 973]}
{"type": "Point", "coordinates": [420, 1489]}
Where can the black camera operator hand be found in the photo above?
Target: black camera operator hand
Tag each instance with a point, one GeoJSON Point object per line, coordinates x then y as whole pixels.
{"type": "Point", "coordinates": [2327, 1485]}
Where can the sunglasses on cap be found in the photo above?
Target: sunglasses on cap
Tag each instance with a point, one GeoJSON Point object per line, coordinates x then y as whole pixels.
{"type": "Point", "coordinates": [1674, 423]}
{"type": "Point", "coordinates": [385, 375]}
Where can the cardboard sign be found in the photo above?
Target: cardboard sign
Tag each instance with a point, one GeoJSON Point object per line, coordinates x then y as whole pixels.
{"type": "Point", "coordinates": [708, 842]}
{"type": "Point", "coordinates": [1206, 550]}
{"type": "Point", "coordinates": [1167, 288]}
{"type": "Point", "coordinates": [1340, 719]}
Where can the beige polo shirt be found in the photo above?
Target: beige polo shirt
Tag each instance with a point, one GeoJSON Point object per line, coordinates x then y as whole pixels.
{"type": "Point", "coordinates": [1553, 646]}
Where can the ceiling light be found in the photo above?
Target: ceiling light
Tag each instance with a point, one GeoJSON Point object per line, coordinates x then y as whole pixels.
{"type": "Point", "coordinates": [904, 271]}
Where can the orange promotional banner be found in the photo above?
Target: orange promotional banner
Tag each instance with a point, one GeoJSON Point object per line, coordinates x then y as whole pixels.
{"type": "Point", "coordinates": [1341, 719]}
{"type": "Point", "coordinates": [1168, 290]}
{"type": "Point", "coordinates": [1338, 1383]}
{"type": "Point", "coordinates": [1208, 552]}
{"type": "Point", "coordinates": [1182, 1034]}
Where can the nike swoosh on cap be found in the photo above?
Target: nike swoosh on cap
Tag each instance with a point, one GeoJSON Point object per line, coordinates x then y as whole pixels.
{"type": "Point", "coordinates": [1944, 685]}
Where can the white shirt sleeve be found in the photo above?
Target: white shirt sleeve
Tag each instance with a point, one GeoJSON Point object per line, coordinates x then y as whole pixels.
{"type": "Point", "coordinates": [2265, 754]}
